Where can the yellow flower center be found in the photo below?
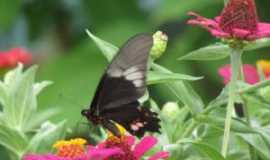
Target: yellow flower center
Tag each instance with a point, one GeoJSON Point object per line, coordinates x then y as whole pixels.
{"type": "Point", "coordinates": [265, 66]}
{"type": "Point", "coordinates": [70, 148]}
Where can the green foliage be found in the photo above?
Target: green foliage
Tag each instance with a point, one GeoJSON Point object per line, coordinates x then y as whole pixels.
{"type": "Point", "coordinates": [19, 116]}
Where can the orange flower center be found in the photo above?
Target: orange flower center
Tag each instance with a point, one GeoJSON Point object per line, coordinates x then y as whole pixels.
{"type": "Point", "coordinates": [70, 149]}
{"type": "Point", "coordinates": [120, 142]}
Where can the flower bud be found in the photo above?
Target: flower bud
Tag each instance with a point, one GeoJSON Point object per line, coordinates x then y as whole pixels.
{"type": "Point", "coordinates": [170, 111]}
{"type": "Point", "coordinates": [160, 44]}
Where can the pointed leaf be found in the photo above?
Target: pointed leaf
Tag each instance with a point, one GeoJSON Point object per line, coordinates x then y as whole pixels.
{"type": "Point", "coordinates": [46, 135]}
{"type": "Point", "coordinates": [108, 50]}
{"type": "Point", "coordinates": [212, 52]}
{"type": "Point", "coordinates": [154, 77]}
{"type": "Point", "coordinates": [38, 87]}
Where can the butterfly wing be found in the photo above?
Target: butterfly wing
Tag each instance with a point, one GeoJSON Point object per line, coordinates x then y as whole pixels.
{"type": "Point", "coordinates": [116, 99]}
{"type": "Point", "coordinates": [124, 79]}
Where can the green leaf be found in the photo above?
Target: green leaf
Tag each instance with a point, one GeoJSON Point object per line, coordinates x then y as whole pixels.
{"type": "Point", "coordinates": [212, 52]}
{"type": "Point", "coordinates": [12, 140]}
{"type": "Point", "coordinates": [257, 100]}
{"type": "Point", "coordinates": [218, 122]}
{"type": "Point", "coordinates": [183, 91]}
{"type": "Point", "coordinates": [221, 51]}
{"type": "Point", "coordinates": [24, 100]}
{"type": "Point", "coordinates": [206, 149]}
{"type": "Point", "coordinates": [258, 143]}
{"type": "Point", "coordinates": [3, 94]}
{"type": "Point", "coordinates": [108, 50]}
{"type": "Point", "coordinates": [155, 77]}
{"type": "Point", "coordinates": [38, 87]}
{"type": "Point", "coordinates": [46, 135]}
{"type": "Point", "coordinates": [37, 119]}
{"type": "Point", "coordinates": [260, 43]}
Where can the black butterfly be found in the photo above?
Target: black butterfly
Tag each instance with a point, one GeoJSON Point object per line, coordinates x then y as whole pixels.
{"type": "Point", "coordinates": [123, 83]}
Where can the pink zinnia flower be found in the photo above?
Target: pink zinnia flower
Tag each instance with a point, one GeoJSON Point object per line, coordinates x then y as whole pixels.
{"type": "Point", "coordinates": [132, 151]}
{"type": "Point", "coordinates": [113, 148]}
{"type": "Point", "coordinates": [12, 57]}
{"type": "Point", "coordinates": [238, 20]}
{"type": "Point", "coordinates": [250, 73]}
{"type": "Point", "coordinates": [75, 150]}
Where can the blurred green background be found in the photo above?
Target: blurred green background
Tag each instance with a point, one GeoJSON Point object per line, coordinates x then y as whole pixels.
{"type": "Point", "coordinates": [54, 31]}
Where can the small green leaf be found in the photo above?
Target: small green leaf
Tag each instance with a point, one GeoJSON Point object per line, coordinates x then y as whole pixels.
{"type": "Point", "coordinates": [212, 52]}
{"type": "Point", "coordinates": [260, 43]}
{"type": "Point", "coordinates": [38, 87]}
{"type": "Point", "coordinates": [108, 50]}
{"type": "Point", "coordinates": [155, 77]}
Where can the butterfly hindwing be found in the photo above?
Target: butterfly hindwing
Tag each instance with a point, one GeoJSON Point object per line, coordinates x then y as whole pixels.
{"type": "Point", "coordinates": [136, 119]}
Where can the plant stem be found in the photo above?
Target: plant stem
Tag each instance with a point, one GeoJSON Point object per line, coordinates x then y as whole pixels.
{"type": "Point", "coordinates": [235, 65]}
{"type": "Point", "coordinates": [189, 129]}
{"type": "Point", "coordinates": [252, 152]}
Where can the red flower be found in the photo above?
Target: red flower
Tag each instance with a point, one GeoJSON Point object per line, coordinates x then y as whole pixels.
{"type": "Point", "coordinates": [238, 20]}
{"type": "Point", "coordinates": [12, 57]}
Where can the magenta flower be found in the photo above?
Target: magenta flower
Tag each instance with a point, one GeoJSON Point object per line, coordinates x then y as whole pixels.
{"type": "Point", "coordinates": [113, 148]}
{"type": "Point", "coordinates": [75, 150]}
{"type": "Point", "coordinates": [132, 151]}
{"type": "Point", "coordinates": [250, 73]}
{"type": "Point", "coordinates": [238, 20]}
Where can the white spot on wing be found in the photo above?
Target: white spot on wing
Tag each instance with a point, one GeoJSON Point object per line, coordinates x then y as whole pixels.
{"type": "Point", "coordinates": [134, 127]}
{"type": "Point", "coordinates": [138, 83]}
{"type": "Point", "coordinates": [134, 76]}
{"type": "Point", "coordinates": [115, 72]}
{"type": "Point", "coordinates": [130, 70]}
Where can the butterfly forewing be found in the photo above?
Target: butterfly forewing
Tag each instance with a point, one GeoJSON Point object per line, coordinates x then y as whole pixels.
{"type": "Point", "coordinates": [116, 98]}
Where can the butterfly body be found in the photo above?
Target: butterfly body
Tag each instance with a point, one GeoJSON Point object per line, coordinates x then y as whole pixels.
{"type": "Point", "coordinates": [123, 83]}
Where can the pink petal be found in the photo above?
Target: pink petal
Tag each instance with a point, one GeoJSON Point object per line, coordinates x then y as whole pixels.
{"type": "Point", "coordinates": [225, 72]}
{"type": "Point", "coordinates": [160, 155]}
{"type": "Point", "coordinates": [250, 73]}
{"type": "Point", "coordinates": [240, 33]}
{"type": "Point", "coordinates": [212, 25]}
{"type": "Point", "coordinates": [263, 31]}
{"type": "Point", "coordinates": [131, 140]}
{"type": "Point", "coordinates": [101, 154]}
{"type": "Point", "coordinates": [146, 144]}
